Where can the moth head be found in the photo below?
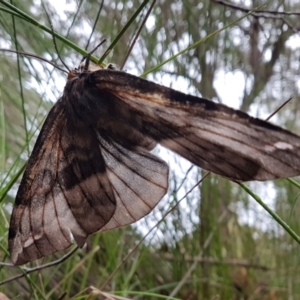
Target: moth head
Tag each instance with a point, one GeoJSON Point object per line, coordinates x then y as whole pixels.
{"type": "Point", "coordinates": [91, 68]}
{"type": "Point", "coordinates": [85, 64]}
{"type": "Point", "coordinates": [82, 69]}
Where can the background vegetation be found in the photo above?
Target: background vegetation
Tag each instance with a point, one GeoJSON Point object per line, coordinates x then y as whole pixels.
{"type": "Point", "coordinates": [217, 243]}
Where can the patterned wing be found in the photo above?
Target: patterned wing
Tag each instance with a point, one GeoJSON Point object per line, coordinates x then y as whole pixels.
{"type": "Point", "coordinates": [65, 192]}
{"type": "Point", "coordinates": [139, 180]}
{"type": "Point", "coordinates": [80, 180]}
{"type": "Point", "coordinates": [215, 137]}
{"type": "Point", "coordinates": [91, 169]}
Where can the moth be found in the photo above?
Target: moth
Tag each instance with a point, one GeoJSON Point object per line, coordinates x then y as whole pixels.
{"type": "Point", "coordinates": [92, 169]}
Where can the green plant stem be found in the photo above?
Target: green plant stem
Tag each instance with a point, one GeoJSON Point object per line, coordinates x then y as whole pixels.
{"type": "Point", "coordinates": [115, 41]}
{"type": "Point", "coordinates": [24, 16]}
{"type": "Point", "coordinates": [283, 224]}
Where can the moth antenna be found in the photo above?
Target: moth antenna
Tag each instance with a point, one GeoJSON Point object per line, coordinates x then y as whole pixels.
{"type": "Point", "coordinates": [88, 56]}
{"type": "Point", "coordinates": [53, 37]}
{"type": "Point", "coordinates": [34, 56]}
{"type": "Point", "coordinates": [94, 26]}
{"type": "Point", "coordinates": [278, 108]}
{"type": "Point", "coordinates": [137, 35]}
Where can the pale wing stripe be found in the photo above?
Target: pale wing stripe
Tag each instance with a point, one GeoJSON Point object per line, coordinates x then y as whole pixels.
{"type": "Point", "coordinates": [64, 196]}
{"type": "Point", "coordinates": [57, 218]}
{"type": "Point", "coordinates": [27, 240]}
{"type": "Point", "coordinates": [129, 208]}
{"type": "Point", "coordinates": [33, 218]}
{"type": "Point", "coordinates": [31, 235]}
{"type": "Point", "coordinates": [103, 146]}
{"type": "Point", "coordinates": [36, 222]}
{"type": "Point", "coordinates": [132, 172]}
{"type": "Point", "coordinates": [45, 233]}
{"type": "Point", "coordinates": [126, 184]}
{"type": "Point", "coordinates": [120, 198]}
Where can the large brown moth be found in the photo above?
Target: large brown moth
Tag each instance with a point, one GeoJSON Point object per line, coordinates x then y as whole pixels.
{"type": "Point", "coordinates": [91, 168]}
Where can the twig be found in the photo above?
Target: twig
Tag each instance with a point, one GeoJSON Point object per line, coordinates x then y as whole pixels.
{"type": "Point", "coordinates": [213, 261]}
{"type": "Point", "coordinates": [120, 34]}
{"type": "Point", "coordinates": [33, 56]}
{"type": "Point", "coordinates": [137, 35]}
{"type": "Point", "coordinates": [38, 268]}
{"type": "Point", "coordinates": [278, 109]}
{"type": "Point", "coordinates": [257, 12]}
{"type": "Point", "coordinates": [267, 14]}
{"type": "Point", "coordinates": [94, 26]}
{"type": "Point", "coordinates": [53, 37]}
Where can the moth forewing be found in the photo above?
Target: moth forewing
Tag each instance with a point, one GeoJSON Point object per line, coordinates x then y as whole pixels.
{"type": "Point", "coordinates": [215, 137]}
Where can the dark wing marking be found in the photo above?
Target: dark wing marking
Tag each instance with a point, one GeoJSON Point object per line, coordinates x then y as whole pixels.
{"type": "Point", "coordinates": [213, 136]}
{"type": "Point", "coordinates": [65, 192]}
{"type": "Point", "coordinates": [139, 180]}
